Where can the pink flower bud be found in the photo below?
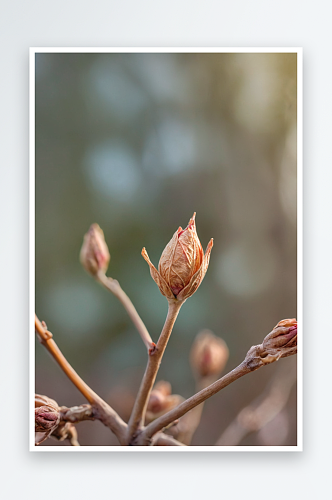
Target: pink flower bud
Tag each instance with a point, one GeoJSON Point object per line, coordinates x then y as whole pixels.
{"type": "Point", "coordinates": [182, 265]}
{"type": "Point", "coordinates": [161, 400]}
{"type": "Point", "coordinates": [47, 417]}
{"type": "Point", "coordinates": [209, 355]}
{"type": "Point", "coordinates": [158, 396]}
{"type": "Point", "coordinates": [94, 254]}
{"type": "Point", "coordinates": [279, 343]}
{"type": "Point", "coordinates": [283, 335]}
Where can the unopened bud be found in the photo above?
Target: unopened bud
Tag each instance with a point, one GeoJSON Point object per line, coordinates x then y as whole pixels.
{"type": "Point", "coordinates": [209, 355]}
{"type": "Point", "coordinates": [283, 335]}
{"type": "Point", "coordinates": [47, 417]}
{"type": "Point", "coordinates": [182, 265]}
{"type": "Point", "coordinates": [161, 400]}
{"type": "Point", "coordinates": [94, 255]}
{"type": "Point", "coordinates": [158, 396]}
{"type": "Point", "coordinates": [279, 343]}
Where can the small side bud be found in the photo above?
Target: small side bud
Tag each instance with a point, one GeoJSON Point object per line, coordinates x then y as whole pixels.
{"type": "Point", "coordinates": [158, 396]}
{"type": "Point", "coordinates": [47, 417]}
{"type": "Point", "coordinates": [208, 355]}
{"type": "Point", "coordinates": [161, 400]}
{"type": "Point", "coordinates": [94, 255]}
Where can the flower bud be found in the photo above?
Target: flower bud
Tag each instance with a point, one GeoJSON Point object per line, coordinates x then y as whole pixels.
{"type": "Point", "coordinates": [283, 335]}
{"type": "Point", "coordinates": [94, 255]}
{"type": "Point", "coordinates": [209, 355]}
{"type": "Point", "coordinates": [182, 265]}
{"type": "Point", "coordinates": [158, 396]}
{"type": "Point", "coordinates": [47, 417]}
{"type": "Point", "coordinates": [279, 343]}
{"type": "Point", "coordinates": [161, 400]}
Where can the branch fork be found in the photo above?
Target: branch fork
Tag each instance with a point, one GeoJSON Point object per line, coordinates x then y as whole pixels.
{"type": "Point", "coordinates": [182, 268]}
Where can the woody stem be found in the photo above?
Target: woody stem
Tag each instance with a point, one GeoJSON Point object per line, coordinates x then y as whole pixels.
{"type": "Point", "coordinates": [160, 423]}
{"type": "Point", "coordinates": [257, 356]}
{"type": "Point", "coordinates": [137, 417]}
{"type": "Point", "coordinates": [113, 286]}
{"type": "Point", "coordinates": [102, 410]}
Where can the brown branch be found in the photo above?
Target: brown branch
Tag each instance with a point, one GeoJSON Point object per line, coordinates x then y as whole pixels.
{"type": "Point", "coordinates": [281, 342]}
{"type": "Point", "coordinates": [162, 422]}
{"type": "Point", "coordinates": [162, 439]}
{"type": "Point", "coordinates": [138, 414]}
{"type": "Point", "coordinates": [102, 410]}
{"type": "Point", "coordinates": [77, 414]}
{"type": "Point", "coordinates": [113, 286]}
{"type": "Point", "coordinates": [48, 342]}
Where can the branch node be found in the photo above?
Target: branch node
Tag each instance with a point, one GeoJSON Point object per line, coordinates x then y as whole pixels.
{"type": "Point", "coordinates": [153, 349]}
{"type": "Point", "coordinates": [47, 334]}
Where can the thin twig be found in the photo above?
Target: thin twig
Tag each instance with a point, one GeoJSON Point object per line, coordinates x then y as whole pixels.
{"type": "Point", "coordinates": [114, 286]}
{"type": "Point", "coordinates": [138, 414]}
{"type": "Point", "coordinates": [48, 342]}
{"type": "Point", "coordinates": [77, 414]}
{"type": "Point", "coordinates": [163, 421]}
{"type": "Point", "coordinates": [102, 410]}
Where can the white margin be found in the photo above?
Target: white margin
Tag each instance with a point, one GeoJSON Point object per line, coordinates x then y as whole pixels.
{"type": "Point", "coordinates": [165, 449]}
{"type": "Point", "coordinates": [300, 249]}
{"type": "Point", "coordinates": [32, 248]}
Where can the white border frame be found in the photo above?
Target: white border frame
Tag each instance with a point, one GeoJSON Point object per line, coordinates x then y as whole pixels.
{"type": "Point", "coordinates": [179, 449]}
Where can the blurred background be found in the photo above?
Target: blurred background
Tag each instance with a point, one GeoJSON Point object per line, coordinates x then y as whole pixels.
{"type": "Point", "coordinates": [137, 143]}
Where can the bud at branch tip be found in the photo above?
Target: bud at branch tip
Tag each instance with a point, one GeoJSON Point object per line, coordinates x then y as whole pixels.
{"type": "Point", "coordinates": [94, 255]}
{"type": "Point", "coordinates": [182, 264]}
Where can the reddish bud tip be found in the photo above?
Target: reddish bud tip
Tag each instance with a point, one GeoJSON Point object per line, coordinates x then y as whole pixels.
{"type": "Point", "coordinates": [94, 255]}
{"type": "Point", "coordinates": [182, 265]}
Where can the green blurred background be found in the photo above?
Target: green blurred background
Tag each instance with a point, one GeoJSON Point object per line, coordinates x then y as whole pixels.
{"type": "Point", "coordinates": [137, 143]}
